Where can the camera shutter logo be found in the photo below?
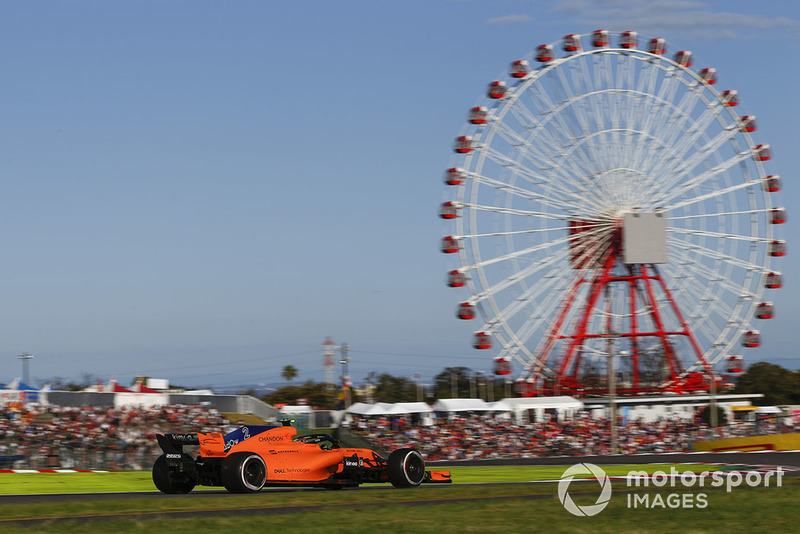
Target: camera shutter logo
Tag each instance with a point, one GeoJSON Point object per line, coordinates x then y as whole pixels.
{"type": "Point", "coordinates": [584, 470]}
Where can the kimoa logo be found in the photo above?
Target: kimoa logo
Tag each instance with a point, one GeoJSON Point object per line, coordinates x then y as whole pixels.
{"type": "Point", "coordinates": [584, 470]}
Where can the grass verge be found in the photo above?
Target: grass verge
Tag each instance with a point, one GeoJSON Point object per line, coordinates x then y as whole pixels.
{"type": "Point", "coordinates": [441, 508]}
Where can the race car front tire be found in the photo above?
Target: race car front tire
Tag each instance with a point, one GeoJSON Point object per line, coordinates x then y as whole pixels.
{"type": "Point", "coordinates": [167, 484]}
{"type": "Point", "coordinates": [243, 472]}
{"type": "Point", "coordinates": [406, 468]}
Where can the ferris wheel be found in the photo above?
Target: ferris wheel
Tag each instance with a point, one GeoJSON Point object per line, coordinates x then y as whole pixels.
{"type": "Point", "coordinates": [609, 207]}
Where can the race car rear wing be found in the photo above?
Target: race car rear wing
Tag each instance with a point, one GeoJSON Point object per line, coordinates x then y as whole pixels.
{"type": "Point", "coordinates": [173, 443]}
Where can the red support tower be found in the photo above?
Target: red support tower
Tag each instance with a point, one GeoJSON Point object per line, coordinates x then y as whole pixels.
{"type": "Point", "coordinates": [596, 317]}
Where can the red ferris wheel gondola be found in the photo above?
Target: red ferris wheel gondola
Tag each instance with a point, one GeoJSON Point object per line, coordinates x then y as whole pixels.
{"type": "Point", "coordinates": [600, 38]}
{"type": "Point", "coordinates": [735, 364]}
{"type": "Point", "coordinates": [628, 39]}
{"type": "Point", "coordinates": [502, 365]}
{"type": "Point", "coordinates": [572, 43]}
{"type": "Point", "coordinates": [772, 183]}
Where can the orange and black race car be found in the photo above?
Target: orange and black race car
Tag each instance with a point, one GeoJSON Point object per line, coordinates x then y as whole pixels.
{"type": "Point", "coordinates": [252, 457]}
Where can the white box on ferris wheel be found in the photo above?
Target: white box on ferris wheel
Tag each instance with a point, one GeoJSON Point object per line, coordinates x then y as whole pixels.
{"type": "Point", "coordinates": [644, 238]}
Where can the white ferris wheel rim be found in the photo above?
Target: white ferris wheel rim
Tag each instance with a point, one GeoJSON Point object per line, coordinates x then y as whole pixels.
{"type": "Point", "coordinates": [650, 135]}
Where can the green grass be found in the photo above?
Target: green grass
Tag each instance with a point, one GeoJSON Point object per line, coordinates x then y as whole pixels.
{"type": "Point", "coordinates": [460, 507]}
{"type": "Point", "coordinates": [494, 509]}
{"type": "Point", "coordinates": [36, 483]}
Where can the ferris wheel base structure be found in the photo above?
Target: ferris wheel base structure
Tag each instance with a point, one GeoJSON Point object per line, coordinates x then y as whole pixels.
{"type": "Point", "coordinates": [615, 224]}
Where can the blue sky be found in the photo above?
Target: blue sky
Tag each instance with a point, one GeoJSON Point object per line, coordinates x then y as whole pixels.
{"type": "Point", "coordinates": [203, 191]}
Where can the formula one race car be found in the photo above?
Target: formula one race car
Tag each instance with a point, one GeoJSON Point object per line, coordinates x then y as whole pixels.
{"type": "Point", "coordinates": [252, 457]}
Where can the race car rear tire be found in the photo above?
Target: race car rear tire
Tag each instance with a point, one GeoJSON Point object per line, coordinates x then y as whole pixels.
{"type": "Point", "coordinates": [406, 468]}
{"type": "Point", "coordinates": [167, 484]}
{"type": "Point", "coordinates": [243, 472]}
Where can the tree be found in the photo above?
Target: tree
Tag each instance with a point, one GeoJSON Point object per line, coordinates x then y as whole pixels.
{"type": "Point", "coordinates": [705, 416]}
{"type": "Point", "coordinates": [389, 388]}
{"type": "Point", "coordinates": [779, 385]}
{"type": "Point", "coordinates": [451, 378]}
{"type": "Point", "coordinates": [289, 373]}
{"type": "Point", "coordinates": [317, 395]}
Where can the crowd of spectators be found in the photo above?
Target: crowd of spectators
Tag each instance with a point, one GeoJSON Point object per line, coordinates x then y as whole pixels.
{"type": "Point", "coordinates": [55, 437]}
{"type": "Point", "coordinates": [483, 437]}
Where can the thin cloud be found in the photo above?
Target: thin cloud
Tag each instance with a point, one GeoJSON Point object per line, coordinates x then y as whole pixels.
{"type": "Point", "coordinates": [511, 19]}
{"type": "Point", "coordinates": [688, 16]}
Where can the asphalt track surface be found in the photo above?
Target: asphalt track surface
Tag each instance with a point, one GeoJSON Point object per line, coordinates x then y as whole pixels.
{"type": "Point", "coordinates": [788, 459]}
{"type": "Point", "coordinates": [784, 458]}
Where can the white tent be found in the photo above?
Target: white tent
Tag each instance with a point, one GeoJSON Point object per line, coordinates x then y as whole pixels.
{"type": "Point", "coordinates": [564, 407]}
{"type": "Point", "coordinates": [461, 405]}
{"type": "Point", "coordinates": [359, 408]}
{"type": "Point", "coordinates": [417, 409]}
{"type": "Point", "coordinates": [412, 407]}
{"type": "Point", "coordinates": [383, 408]}
{"type": "Point", "coordinates": [295, 410]}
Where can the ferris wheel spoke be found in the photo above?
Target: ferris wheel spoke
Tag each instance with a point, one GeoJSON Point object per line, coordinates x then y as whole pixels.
{"type": "Point", "coordinates": [696, 296]}
{"type": "Point", "coordinates": [587, 254]}
{"type": "Point", "coordinates": [551, 201]}
{"type": "Point", "coordinates": [534, 324]}
{"type": "Point", "coordinates": [516, 253]}
{"type": "Point", "coordinates": [651, 102]}
{"type": "Point", "coordinates": [558, 187]}
{"type": "Point", "coordinates": [702, 314]}
{"type": "Point", "coordinates": [717, 215]}
{"type": "Point", "coordinates": [680, 118]}
{"type": "Point", "coordinates": [575, 106]}
{"type": "Point", "coordinates": [721, 192]}
{"type": "Point", "coordinates": [668, 128]}
{"type": "Point", "coordinates": [509, 233]}
{"type": "Point", "coordinates": [703, 280]}
{"type": "Point", "coordinates": [530, 151]}
{"type": "Point", "coordinates": [680, 165]}
{"type": "Point", "coordinates": [557, 119]}
{"type": "Point", "coordinates": [712, 254]}
{"type": "Point", "coordinates": [664, 99]}
{"type": "Point", "coordinates": [579, 167]}
{"type": "Point", "coordinates": [708, 233]}
{"type": "Point", "coordinates": [589, 109]}
{"type": "Point", "coordinates": [702, 154]}
{"type": "Point", "coordinates": [518, 277]}
{"type": "Point", "coordinates": [523, 301]}
{"type": "Point", "coordinates": [511, 211]}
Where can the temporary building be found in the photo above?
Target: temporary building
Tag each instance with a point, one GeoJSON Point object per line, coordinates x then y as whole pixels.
{"type": "Point", "coordinates": [420, 412]}
{"type": "Point", "coordinates": [534, 409]}
{"type": "Point", "coordinates": [451, 406]}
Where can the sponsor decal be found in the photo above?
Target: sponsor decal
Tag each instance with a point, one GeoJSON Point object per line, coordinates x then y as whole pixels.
{"type": "Point", "coordinates": [210, 439]}
{"type": "Point", "coordinates": [270, 439]}
{"type": "Point", "coordinates": [187, 438]}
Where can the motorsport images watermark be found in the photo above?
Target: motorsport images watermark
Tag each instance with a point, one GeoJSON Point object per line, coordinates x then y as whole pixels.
{"type": "Point", "coordinates": [660, 479]}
